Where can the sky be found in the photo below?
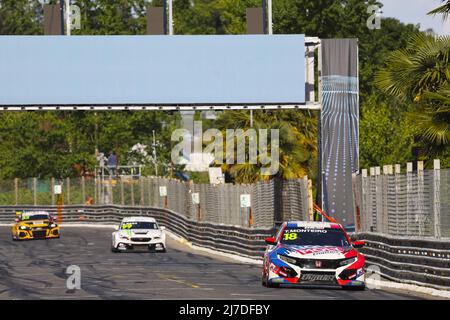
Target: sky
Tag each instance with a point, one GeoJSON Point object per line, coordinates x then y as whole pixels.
{"type": "Point", "coordinates": [415, 12]}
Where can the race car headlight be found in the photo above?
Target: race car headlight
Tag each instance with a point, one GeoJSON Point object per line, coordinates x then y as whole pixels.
{"type": "Point", "coordinates": [348, 261]}
{"type": "Point", "coordinates": [23, 228]}
{"type": "Point", "coordinates": [52, 225]}
{"type": "Point", "coordinates": [157, 238]}
{"type": "Point", "coordinates": [124, 238]}
{"type": "Point", "coordinates": [287, 259]}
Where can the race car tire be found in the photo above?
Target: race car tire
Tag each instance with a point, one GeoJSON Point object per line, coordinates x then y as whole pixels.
{"type": "Point", "coordinates": [354, 288]}
{"type": "Point", "coordinates": [114, 250]}
{"type": "Point", "coordinates": [273, 285]}
{"type": "Point", "coordinates": [265, 282]}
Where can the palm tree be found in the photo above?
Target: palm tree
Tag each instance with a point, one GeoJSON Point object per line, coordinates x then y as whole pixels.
{"type": "Point", "coordinates": [297, 143]}
{"type": "Point", "coordinates": [443, 9]}
{"type": "Point", "coordinates": [434, 121]}
{"type": "Point", "coordinates": [423, 66]}
{"type": "Point", "coordinates": [420, 76]}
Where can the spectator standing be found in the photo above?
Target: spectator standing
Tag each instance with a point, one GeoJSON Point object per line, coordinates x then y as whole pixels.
{"type": "Point", "coordinates": [112, 163]}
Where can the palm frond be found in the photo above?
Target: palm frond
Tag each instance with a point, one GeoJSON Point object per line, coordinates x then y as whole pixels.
{"type": "Point", "coordinates": [443, 9]}
{"type": "Point", "coordinates": [422, 66]}
{"type": "Point", "coordinates": [441, 96]}
{"type": "Point", "coordinates": [432, 126]}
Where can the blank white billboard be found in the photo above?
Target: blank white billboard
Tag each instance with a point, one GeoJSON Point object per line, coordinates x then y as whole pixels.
{"type": "Point", "coordinates": [152, 70]}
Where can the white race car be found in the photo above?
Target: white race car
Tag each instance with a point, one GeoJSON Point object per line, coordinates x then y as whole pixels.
{"type": "Point", "coordinates": [137, 234]}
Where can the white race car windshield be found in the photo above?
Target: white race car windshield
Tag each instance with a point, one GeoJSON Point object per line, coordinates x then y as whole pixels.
{"type": "Point", "coordinates": [138, 225]}
{"type": "Point", "coordinates": [314, 237]}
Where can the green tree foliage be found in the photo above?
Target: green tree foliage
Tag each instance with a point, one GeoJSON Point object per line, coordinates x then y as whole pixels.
{"type": "Point", "coordinates": [211, 16]}
{"type": "Point", "coordinates": [62, 144]}
{"type": "Point", "coordinates": [297, 145]}
{"type": "Point", "coordinates": [112, 17]}
{"type": "Point", "coordinates": [388, 137]}
{"type": "Point", "coordinates": [20, 17]}
{"type": "Point", "coordinates": [420, 75]}
{"type": "Point", "coordinates": [34, 144]}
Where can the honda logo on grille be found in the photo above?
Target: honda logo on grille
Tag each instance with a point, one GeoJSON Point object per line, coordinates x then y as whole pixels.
{"type": "Point", "coordinates": [318, 264]}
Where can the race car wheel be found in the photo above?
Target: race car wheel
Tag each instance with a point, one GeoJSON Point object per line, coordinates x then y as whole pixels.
{"type": "Point", "coordinates": [264, 283]}
{"type": "Point", "coordinates": [267, 284]}
{"type": "Point", "coordinates": [273, 285]}
{"type": "Point", "coordinates": [355, 288]}
{"type": "Point", "coordinates": [114, 249]}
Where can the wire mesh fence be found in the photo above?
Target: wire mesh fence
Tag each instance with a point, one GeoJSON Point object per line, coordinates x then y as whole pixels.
{"type": "Point", "coordinates": [270, 200]}
{"type": "Point", "coordinates": [415, 203]}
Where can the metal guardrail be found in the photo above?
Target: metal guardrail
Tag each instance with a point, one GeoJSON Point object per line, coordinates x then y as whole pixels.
{"type": "Point", "coordinates": [418, 261]}
{"type": "Point", "coordinates": [246, 242]}
{"type": "Point", "coordinates": [270, 201]}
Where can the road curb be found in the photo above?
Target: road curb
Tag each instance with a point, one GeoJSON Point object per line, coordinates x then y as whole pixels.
{"type": "Point", "coordinates": [372, 283]}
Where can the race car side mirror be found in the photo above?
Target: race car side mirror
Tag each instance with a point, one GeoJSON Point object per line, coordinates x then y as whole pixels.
{"type": "Point", "coordinates": [163, 228]}
{"type": "Point", "coordinates": [116, 228]}
{"type": "Point", "coordinates": [16, 220]}
{"type": "Point", "coordinates": [359, 244]}
{"type": "Point", "coordinates": [270, 241]}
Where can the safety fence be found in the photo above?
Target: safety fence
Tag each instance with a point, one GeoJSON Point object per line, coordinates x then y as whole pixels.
{"type": "Point", "coordinates": [412, 203]}
{"type": "Point", "coordinates": [246, 242]}
{"type": "Point", "coordinates": [268, 201]}
{"type": "Point", "coordinates": [408, 260]}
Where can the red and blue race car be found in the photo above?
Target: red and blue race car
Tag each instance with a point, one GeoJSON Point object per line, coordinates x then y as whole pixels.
{"type": "Point", "coordinates": [311, 254]}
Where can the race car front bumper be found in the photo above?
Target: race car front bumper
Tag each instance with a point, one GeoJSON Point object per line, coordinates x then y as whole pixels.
{"type": "Point", "coordinates": [282, 273]}
{"type": "Point", "coordinates": [37, 233]}
{"type": "Point", "coordinates": [152, 245]}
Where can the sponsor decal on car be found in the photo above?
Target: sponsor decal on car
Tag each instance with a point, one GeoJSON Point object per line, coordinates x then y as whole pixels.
{"type": "Point", "coordinates": [316, 250]}
{"type": "Point", "coordinates": [317, 277]}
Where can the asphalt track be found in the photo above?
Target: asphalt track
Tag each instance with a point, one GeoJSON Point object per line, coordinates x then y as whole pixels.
{"type": "Point", "coordinates": [37, 270]}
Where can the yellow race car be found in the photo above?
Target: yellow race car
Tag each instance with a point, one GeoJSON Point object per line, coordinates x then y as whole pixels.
{"type": "Point", "coordinates": [30, 225]}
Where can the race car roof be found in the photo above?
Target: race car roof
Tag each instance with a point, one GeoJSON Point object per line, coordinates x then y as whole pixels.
{"type": "Point", "coordinates": [30, 213]}
{"type": "Point", "coordinates": [143, 219]}
{"type": "Point", "coordinates": [312, 224]}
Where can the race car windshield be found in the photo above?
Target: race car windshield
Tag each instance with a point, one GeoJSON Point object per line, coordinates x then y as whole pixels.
{"type": "Point", "coordinates": [35, 217]}
{"type": "Point", "coordinates": [138, 225]}
{"type": "Point", "coordinates": [314, 237]}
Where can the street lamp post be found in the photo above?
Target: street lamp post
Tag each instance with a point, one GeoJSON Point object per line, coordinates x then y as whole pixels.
{"type": "Point", "coordinates": [61, 11]}
{"type": "Point", "coordinates": [170, 8]}
{"type": "Point", "coordinates": [154, 145]}
{"type": "Point", "coordinates": [269, 17]}
{"type": "Point", "coordinates": [68, 18]}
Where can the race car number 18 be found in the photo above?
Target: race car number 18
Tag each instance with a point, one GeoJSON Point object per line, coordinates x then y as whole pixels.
{"type": "Point", "coordinates": [290, 236]}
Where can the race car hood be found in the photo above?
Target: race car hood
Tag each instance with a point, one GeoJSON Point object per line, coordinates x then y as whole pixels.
{"type": "Point", "coordinates": [34, 223]}
{"type": "Point", "coordinates": [316, 252]}
{"type": "Point", "coordinates": [140, 233]}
